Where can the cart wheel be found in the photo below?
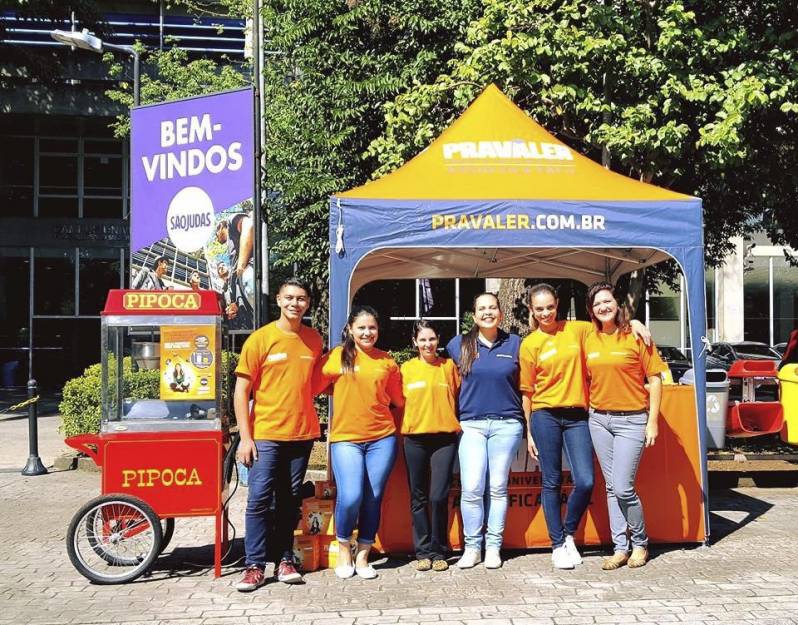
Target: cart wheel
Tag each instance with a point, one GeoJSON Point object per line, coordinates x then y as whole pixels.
{"type": "Point", "coordinates": [113, 539]}
{"type": "Point", "coordinates": [167, 531]}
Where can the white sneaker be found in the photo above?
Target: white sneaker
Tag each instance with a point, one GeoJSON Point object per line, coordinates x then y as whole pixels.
{"type": "Point", "coordinates": [493, 559]}
{"type": "Point", "coordinates": [469, 559]}
{"type": "Point", "coordinates": [561, 559]}
{"type": "Point", "coordinates": [573, 552]}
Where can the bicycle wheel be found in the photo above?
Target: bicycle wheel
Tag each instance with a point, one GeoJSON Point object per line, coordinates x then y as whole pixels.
{"type": "Point", "coordinates": [113, 539]}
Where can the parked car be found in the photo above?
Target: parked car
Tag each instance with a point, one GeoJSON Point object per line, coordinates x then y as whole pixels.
{"type": "Point", "coordinates": [677, 362]}
{"type": "Point", "coordinates": [780, 348]}
{"type": "Point", "coordinates": [722, 355]}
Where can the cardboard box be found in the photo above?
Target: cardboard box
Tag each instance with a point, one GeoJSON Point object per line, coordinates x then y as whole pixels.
{"type": "Point", "coordinates": [307, 552]}
{"type": "Point", "coordinates": [328, 551]}
{"type": "Point", "coordinates": [325, 490]}
{"type": "Point", "coordinates": [317, 517]}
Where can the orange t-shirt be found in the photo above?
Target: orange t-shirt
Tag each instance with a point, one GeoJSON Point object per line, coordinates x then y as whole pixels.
{"type": "Point", "coordinates": [362, 398]}
{"type": "Point", "coordinates": [553, 366]}
{"type": "Point", "coordinates": [282, 369]}
{"type": "Point", "coordinates": [430, 391]}
{"type": "Point", "coordinates": [618, 365]}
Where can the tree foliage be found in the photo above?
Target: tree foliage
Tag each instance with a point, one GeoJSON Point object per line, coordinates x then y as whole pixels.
{"type": "Point", "coordinates": [699, 97]}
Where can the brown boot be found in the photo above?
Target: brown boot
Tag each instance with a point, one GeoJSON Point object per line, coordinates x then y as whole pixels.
{"type": "Point", "coordinates": [616, 561]}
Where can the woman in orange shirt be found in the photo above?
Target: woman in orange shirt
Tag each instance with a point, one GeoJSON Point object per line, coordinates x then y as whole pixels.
{"type": "Point", "coordinates": [430, 428]}
{"type": "Point", "coordinates": [623, 417]}
{"type": "Point", "coordinates": [554, 387]}
{"type": "Point", "coordinates": [366, 382]}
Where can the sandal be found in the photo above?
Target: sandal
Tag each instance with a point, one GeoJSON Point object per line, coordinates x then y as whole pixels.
{"type": "Point", "coordinates": [425, 564]}
{"type": "Point", "coordinates": [639, 558]}
{"type": "Point", "coordinates": [616, 561]}
{"type": "Point", "coordinates": [440, 565]}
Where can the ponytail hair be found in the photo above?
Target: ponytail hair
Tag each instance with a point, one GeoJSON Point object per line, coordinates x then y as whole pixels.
{"type": "Point", "coordinates": [621, 317]}
{"type": "Point", "coordinates": [468, 346]}
{"type": "Point", "coordinates": [541, 287]}
{"type": "Point", "coordinates": [349, 351]}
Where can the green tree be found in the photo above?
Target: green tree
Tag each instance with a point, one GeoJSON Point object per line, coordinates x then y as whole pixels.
{"type": "Point", "coordinates": [699, 97]}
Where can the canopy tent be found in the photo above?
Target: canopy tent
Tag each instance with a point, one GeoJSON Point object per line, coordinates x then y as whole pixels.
{"type": "Point", "coordinates": [497, 196]}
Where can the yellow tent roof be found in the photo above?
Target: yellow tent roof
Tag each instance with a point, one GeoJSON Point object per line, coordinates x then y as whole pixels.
{"type": "Point", "coordinates": [495, 151]}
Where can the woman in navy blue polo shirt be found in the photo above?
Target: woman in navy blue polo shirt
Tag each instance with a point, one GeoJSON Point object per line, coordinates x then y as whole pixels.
{"type": "Point", "coordinates": [492, 420]}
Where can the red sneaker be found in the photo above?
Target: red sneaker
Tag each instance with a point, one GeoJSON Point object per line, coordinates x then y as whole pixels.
{"type": "Point", "coordinates": [254, 578]}
{"type": "Point", "coordinates": [287, 573]}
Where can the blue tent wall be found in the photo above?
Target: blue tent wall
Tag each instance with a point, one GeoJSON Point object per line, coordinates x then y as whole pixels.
{"type": "Point", "coordinates": [674, 227]}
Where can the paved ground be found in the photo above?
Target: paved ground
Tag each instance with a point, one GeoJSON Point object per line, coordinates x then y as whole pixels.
{"type": "Point", "coordinates": [750, 574]}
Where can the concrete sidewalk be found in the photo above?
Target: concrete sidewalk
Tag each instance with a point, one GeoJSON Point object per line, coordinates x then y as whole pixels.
{"type": "Point", "coordinates": [749, 575]}
{"type": "Point", "coordinates": [14, 430]}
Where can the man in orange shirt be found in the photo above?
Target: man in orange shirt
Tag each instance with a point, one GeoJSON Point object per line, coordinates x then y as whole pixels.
{"type": "Point", "coordinates": [278, 369]}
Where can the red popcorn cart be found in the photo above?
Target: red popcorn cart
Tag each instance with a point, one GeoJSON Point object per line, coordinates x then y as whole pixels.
{"type": "Point", "coordinates": [161, 458]}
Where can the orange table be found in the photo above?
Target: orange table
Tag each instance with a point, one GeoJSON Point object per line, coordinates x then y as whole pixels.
{"type": "Point", "coordinates": [669, 483]}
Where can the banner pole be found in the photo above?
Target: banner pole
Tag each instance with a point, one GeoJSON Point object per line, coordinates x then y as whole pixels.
{"type": "Point", "coordinates": [261, 226]}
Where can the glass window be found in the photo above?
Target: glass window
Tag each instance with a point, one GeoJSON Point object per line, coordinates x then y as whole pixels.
{"type": "Point", "coordinates": [58, 207]}
{"type": "Point", "coordinates": [58, 175]}
{"type": "Point", "coordinates": [391, 298]}
{"type": "Point", "coordinates": [709, 282]}
{"type": "Point", "coordinates": [102, 175]}
{"type": "Point", "coordinates": [663, 315]}
{"type": "Point", "coordinates": [785, 299]}
{"type": "Point", "coordinates": [98, 146]}
{"type": "Point", "coordinates": [54, 281]}
{"type": "Point", "coordinates": [99, 272]}
{"type": "Point", "coordinates": [756, 300]}
{"type": "Point", "coordinates": [63, 348]}
{"type": "Point", "coordinates": [16, 177]}
{"type": "Point", "coordinates": [51, 144]}
{"type": "Point", "coordinates": [436, 298]}
{"type": "Point", "coordinates": [102, 207]}
{"type": "Point", "coordinates": [14, 304]}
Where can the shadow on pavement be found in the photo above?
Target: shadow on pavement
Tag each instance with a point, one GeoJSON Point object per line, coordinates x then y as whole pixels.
{"type": "Point", "coordinates": [731, 510]}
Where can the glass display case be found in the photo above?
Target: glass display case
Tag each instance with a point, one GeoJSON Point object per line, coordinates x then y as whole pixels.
{"type": "Point", "coordinates": [178, 359]}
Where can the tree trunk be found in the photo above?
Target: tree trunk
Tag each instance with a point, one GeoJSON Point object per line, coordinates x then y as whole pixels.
{"type": "Point", "coordinates": [637, 283]}
{"type": "Point", "coordinates": [513, 299]}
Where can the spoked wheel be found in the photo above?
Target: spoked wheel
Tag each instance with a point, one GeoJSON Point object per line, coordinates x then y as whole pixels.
{"type": "Point", "coordinates": [115, 538]}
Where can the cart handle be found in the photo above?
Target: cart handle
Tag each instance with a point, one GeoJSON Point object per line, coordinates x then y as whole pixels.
{"type": "Point", "coordinates": [89, 444]}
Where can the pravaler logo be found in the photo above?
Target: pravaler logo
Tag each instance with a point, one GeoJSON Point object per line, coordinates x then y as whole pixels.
{"type": "Point", "coordinates": [146, 478]}
{"type": "Point", "coordinates": [155, 300]}
{"type": "Point", "coordinates": [517, 150]}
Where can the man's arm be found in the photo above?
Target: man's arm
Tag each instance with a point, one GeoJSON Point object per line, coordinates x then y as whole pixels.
{"type": "Point", "coordinates": [247, 452]}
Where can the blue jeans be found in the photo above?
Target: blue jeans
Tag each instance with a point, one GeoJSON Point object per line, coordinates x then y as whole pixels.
{"type": "Point", "coordinates": [554, 429]}
{"type": "Point", "coordinates": [274, 499]}
{"type": "Point", "coordinates": [361, 471]}
{"type": "Point", "coordinates": [487, 449]}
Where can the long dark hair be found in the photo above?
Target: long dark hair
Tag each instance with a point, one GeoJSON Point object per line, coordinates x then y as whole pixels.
{"type": "Point", "coordinates": [541, 287]}
{"type": "Point", "coordinates": [621, 318]}
{"type": "Point", "coordinates": [349, 350]}
{"type": "Point", "coordinates": [423, 324]}
{"type": "Point", "coordinates": [468, 346]}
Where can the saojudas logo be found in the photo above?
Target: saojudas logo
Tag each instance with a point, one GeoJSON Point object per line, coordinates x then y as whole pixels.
{"type": "Point", "coordinates": [146, 478]}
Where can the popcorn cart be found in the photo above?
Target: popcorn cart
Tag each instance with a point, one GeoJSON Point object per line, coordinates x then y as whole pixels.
{"type": "Point", "coordinates": [160, 458]}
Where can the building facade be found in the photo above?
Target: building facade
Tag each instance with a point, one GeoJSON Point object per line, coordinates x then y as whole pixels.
{"type": "Point", "coordinates": [64, 186]}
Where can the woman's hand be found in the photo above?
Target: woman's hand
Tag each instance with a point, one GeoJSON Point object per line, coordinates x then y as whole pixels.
{"type": "Point", "coordinates": [652, 431]}
{"type": "Point", "coordinates": [531, 447]}
{"type": "Point", "coordinates": [640, 331]}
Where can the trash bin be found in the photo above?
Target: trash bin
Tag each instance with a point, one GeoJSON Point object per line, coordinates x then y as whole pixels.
{"type": "Point", "coordinates": [717, 405]}
{"type": "Point", "coordinates": [788, 383]}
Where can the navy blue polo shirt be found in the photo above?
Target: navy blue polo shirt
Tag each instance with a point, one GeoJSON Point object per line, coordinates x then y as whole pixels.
{"type": "Point", "coordinates": [491, 390]}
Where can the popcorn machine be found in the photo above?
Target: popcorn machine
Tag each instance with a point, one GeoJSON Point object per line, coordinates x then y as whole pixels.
{"type": "Point", "coordinates": [163, 442]}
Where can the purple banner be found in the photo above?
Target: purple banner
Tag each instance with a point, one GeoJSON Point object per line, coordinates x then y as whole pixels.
{"type": "Point", "coordinates": [191, 198]}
